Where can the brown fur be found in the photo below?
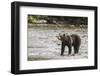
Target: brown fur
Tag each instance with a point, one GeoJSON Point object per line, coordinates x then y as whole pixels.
{"type": "Point", "coordinates": [70, 40]}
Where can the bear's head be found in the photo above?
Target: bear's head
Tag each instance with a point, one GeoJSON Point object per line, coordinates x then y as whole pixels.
{"type": "Point", "coordinates": [63, 37]}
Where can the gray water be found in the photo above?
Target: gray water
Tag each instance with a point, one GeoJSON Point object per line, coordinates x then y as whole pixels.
{"type": "Point", "coordinates": [43, 44]}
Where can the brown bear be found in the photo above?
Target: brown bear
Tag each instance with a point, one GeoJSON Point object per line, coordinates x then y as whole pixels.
{"type": "Point", "coordinates": [69, 40]}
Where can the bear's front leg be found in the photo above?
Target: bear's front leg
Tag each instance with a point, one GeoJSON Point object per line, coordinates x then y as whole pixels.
{"type": "Point", "coordinates": [62, 49]}
{"type": "Point", "coordinates": [70, 49]}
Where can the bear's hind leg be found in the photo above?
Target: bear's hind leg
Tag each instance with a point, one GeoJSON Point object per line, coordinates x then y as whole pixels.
{"type": "Point", "coordinates": [76, 50]}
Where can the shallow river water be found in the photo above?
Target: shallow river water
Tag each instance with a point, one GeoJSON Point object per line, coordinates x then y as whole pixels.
{"type": "Point", "coordinates": [43, 44]}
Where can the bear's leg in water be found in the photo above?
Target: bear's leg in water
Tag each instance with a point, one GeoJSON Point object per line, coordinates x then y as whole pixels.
{"type": "Point", "coordinates": [76, 49]}
{"type": "Point", "coordinates": [62, 48]}
{"type": "Point", "coordinates": [70, 49]}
